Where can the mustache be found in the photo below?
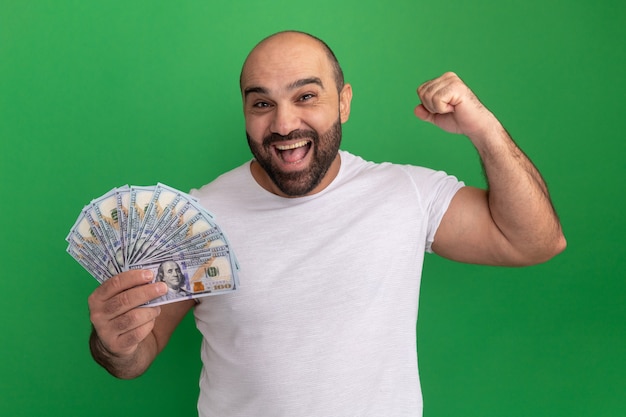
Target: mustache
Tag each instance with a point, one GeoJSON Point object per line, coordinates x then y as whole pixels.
{"type": "Point", "coordinates": [296, 134]}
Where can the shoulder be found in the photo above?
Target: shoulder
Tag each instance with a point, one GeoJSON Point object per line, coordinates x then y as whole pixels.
{"type": "Point", "coordinates": [229, 180]}
{"type": "Point", "coordinates": [418, 177]}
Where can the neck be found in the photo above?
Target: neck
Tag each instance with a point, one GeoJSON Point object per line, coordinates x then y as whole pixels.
{"type": "Point", "coordinates": [264, 180]}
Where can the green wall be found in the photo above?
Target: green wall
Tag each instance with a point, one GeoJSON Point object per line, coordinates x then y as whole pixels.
{"type": "Point", "coordinates": [97, 94]}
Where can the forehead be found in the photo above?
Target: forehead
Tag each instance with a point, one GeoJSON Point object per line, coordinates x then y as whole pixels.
{"type": "Point", "coordinates": [278, 62]}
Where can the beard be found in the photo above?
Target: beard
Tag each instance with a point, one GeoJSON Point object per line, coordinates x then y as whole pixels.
{"type": "Point", "coordinates": [300, 183]}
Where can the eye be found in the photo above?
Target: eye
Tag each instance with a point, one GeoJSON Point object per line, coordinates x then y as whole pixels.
{"type": "Point", "coordinates": [260, 105]}
{"type": "Point", "coordinates": [307, 97]}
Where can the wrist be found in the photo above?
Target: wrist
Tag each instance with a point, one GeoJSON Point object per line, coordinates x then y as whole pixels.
{"type": "Point", "coordinates": [493, 139]}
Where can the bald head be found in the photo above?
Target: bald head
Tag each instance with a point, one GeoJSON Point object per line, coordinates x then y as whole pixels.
{"type": "Point", "coordinates": [289, 42]}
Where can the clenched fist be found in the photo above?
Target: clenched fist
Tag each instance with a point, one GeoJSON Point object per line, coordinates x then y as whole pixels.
{"type": "Point", "coordinates": [449, 104]}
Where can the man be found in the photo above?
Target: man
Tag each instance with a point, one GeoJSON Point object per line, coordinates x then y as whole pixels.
{"type": "Point", "coordinates": [324, 321]}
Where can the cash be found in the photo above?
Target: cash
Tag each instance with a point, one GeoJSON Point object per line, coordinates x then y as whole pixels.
{"type": "Point", "coordinates": [157, 228]}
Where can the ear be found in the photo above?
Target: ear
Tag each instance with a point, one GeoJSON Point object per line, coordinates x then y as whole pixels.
{"type": "Point", "coordinates": [345, 98]}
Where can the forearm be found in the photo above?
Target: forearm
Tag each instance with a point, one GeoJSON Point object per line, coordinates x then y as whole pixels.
{"type": "Point", "coordinates": [513, 222]}
{"type": "Point", "coordinates": [518, 198]}
{"type": "Point", "coordinates": [123, 367]}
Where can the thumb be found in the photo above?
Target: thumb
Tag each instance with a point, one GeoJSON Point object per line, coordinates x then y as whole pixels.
{"type": "Point", "coordinates": [423, 114]}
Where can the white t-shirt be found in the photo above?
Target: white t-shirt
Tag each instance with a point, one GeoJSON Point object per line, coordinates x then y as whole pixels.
{"type": "Point", "coordinates": [324, 321]}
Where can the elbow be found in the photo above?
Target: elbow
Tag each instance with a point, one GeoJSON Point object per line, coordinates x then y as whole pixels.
{"type": "Point", "coordinates": [124, 375]}
{"type": "Point", "coordinates": [557, 246]}
{"type": "Point", "coordinates": [544, 251]}
{"type": "Point", "coordinates": [560, 245]}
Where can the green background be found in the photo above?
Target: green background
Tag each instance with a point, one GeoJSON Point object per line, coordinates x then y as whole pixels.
{"type": "Point", "coordinates": [97, 94]}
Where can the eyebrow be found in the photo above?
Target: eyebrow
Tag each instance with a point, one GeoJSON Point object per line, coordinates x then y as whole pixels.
{"type": "Point", "coordinates": [305, 81]}
{"type": "Point", "coordinates": [292, 86]}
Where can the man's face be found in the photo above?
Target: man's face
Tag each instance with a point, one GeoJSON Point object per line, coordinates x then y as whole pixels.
{"type": "Point", "coordinates": [293, 114]}
{"type": "Point", "coordinates": [172, 275]}
{"type": "Point", "coordinates": [276, 152]}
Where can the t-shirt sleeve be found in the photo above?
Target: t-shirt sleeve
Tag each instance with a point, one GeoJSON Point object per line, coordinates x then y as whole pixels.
{"type": "Point", "coordinates": [435, 190]}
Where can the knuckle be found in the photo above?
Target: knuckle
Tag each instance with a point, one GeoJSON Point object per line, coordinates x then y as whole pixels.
{"type": "Point", "coordinates": [132, 320]}
{"type": "Point", "coordinates": [92, 300]}
{"type": "Point", "coordinates": [122, 322]}
{"type": "Point", "coordinates": [426, 88]}
{"type": "Point", "coordinates": [132, 338]}
{"type": "Point", "coordinates": [96, 318]}
{"type": "Point", "coordinates": [135, 336]}
{"type": "Point", "coordinates": [113, 305]}
{"type": "Point", "coordinates": [124, 299]}
{"type": "Point", "coordinates": [115, 283]}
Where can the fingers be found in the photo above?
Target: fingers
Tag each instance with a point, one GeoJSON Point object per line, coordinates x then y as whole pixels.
{"type": "Point", "coordinates": [449, 104]}
{"type": "Point", "coordinates": [422, 113]}
{"type": "Point", "coordinates": [127, 331]}
{"type": "Point", "coordinates": [121, 282]}
{"type": "Point", "coordinates": [123, 292]}
{"type": "Point", "coordinates": [441, 95]}
{"type": "Point", "coordinates": [116, 313]}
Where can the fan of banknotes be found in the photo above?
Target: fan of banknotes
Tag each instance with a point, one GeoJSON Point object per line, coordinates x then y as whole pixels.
{"type": "Point", "coordinates": [157, 228]}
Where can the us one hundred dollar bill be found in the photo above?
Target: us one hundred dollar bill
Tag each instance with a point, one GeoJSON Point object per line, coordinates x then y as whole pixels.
{"type": "Point", "coordinates": [160, 229]}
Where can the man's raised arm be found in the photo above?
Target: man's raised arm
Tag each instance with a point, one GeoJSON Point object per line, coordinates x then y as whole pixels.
{"type": "Point", "coordinates": [513, 222]}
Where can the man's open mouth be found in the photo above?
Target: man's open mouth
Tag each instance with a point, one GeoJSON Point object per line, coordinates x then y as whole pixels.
{"type": "Point", "coordinates": [293, 152]}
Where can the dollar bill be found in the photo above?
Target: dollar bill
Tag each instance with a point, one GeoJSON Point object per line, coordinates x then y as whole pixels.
{"type": "Point", "coordinates": [122, 198]}
{"type": "Point", "coordinates": [157, 228]}
{"type": "Point", "coordinates": [194, 276]}
{"type": "Point", "coordinates": [164, 200]}
{"type": "Point", "coordinates": [86, 241]}
{"type": "Point", "coordinates": [86, 261]}
{"type": "Point", "coordinates": [107, 216]}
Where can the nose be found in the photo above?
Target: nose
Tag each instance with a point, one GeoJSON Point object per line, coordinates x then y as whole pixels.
{"type": "Point", "coordinates": [285, 120]}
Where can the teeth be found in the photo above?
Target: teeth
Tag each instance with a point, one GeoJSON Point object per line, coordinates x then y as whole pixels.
{"type": "Point", "coordinates": [292, 146]}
